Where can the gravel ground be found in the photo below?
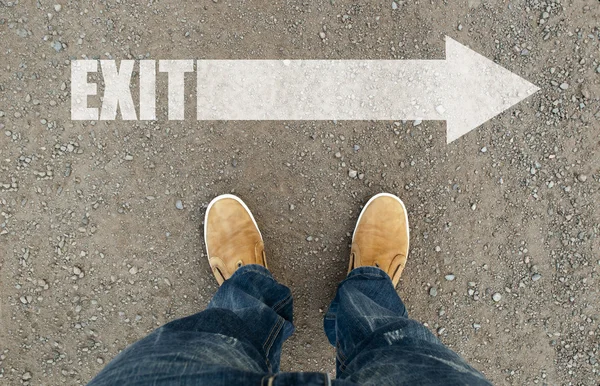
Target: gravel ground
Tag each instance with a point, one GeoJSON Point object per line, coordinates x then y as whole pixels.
{"type": "Point", "coordinates": [100, 234]}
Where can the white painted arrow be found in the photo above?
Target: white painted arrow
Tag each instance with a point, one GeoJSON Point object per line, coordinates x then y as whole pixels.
{"type": "Point", "coordinates": [466, 89]}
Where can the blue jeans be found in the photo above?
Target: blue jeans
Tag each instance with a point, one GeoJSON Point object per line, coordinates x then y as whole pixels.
{"type": "Point", "coordinates": [237, 340]}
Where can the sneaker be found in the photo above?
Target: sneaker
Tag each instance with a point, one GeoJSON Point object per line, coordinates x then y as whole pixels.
{"type": "Point", "coordinates": [232, 237]}
{"type": "Point", "coordinates": [381, 236]}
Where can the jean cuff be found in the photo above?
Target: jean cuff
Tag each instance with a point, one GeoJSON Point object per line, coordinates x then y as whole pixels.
{"type": "Point", "coordinates": [252, 268]}
{"type": "Point", "coordinates": [368, 272]}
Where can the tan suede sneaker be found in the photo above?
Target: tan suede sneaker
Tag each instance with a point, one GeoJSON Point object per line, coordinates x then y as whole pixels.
{"type": "Point", "coordinates": [232, 237]}
{"type": "Point", "coordinates": [381, 236]}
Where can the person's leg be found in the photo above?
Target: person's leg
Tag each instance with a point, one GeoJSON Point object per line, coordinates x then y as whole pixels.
{"type": "Point", "coordinates": [377, 343]}
{"type": "Point", "coordinates": [375, 340]}
{"type": "Point", "coordinates": [238, 338]}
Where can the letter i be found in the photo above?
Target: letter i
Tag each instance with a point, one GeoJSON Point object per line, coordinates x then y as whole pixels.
{"type": "Point", "coordinates": [147, 90]}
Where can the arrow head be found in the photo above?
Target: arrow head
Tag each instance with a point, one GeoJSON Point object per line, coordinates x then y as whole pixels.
{"type": "Point", "coordinates": [477, 89]}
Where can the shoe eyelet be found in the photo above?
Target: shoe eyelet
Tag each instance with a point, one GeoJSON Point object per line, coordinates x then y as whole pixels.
{"type": "Point", "coordinates": [239, 264]}
{"type": "Point", "coordinates": [377, 265]}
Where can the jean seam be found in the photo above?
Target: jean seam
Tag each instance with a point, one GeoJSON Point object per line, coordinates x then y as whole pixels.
{"type": "Point", "coordinates": [343, 368]}
{"type": "Point", "coordinates": [339, 352]}
{"type": "Point", "coordinates": [271, 339]}
{"type": "Point", "coordinates": [340, 357]}
{"type": "Point", "coordinates": [270, 334]}
{"type": "Point", "coordinates": [282, 303]}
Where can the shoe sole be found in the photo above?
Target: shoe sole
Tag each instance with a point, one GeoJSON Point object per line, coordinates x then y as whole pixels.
{"type": "Point", "coordinates": [219, 198]}
{"type": "Point", "coordinates": [384, 195]}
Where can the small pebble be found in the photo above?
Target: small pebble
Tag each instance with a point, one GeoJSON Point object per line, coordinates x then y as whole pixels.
{"type": "Point", "coordinates": [322, 35]}
{"type": "Point", "coordinates": [536, 277]}
{"type": "Point", "coordinates": [352, 173]}
{"type": "Point", "coordinates": [179, 205]}
{"type": "Point", "coordinates": [128, 157]}
{"type": "Point", "coordinates": [450, 277]}
{"type": "Point", "coordinates": [417, 122]}
{"type": "Point", "coordinates": [57, 7]}
{"type": "Point", "coordinates": [394, 5]}
{"type": "Point", "coordinates": [77, 270]}
{"type": "Point", "coordinates": [497, 297]}
{"type": "Point", "coordinates": [133, 270]}
{"type": "Point", "coordinates": [564, 86]}
{"type": "Point", "coordinates": [433, 291]}
{"type": "Point", "coordinates": [582, 178]}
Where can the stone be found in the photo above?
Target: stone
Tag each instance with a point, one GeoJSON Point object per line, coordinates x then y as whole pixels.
{"type": "Point", "coordinates": [497, 297]}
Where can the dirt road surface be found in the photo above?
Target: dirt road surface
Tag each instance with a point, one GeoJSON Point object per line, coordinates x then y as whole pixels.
{"type": "Point", "coordinates": [95, 251]}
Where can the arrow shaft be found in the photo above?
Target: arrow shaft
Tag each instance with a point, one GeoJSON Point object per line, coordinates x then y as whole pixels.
{"type": "Point", "coordinates": [322, 89]}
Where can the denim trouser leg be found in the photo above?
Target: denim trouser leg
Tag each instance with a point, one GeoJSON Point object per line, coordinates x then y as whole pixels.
{"type": "Point", "coordinates": [377, 343]}
{"type": "Point", "coordinates": [236, 340]}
